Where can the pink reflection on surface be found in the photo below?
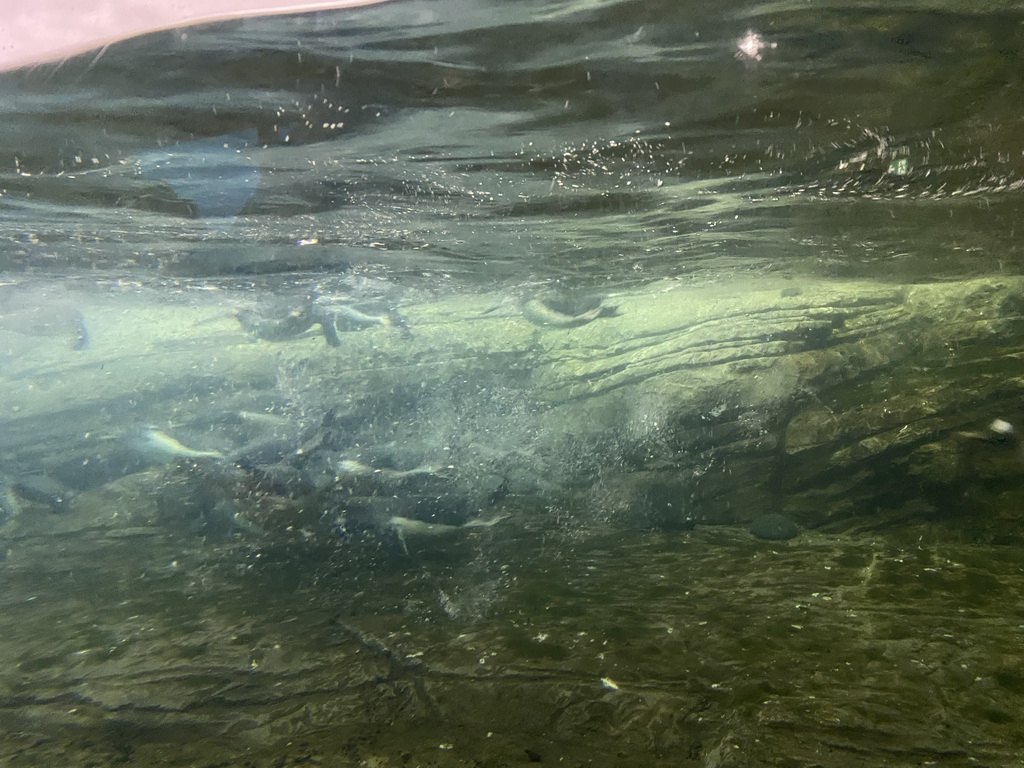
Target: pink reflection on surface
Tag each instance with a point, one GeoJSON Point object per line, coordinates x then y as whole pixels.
{"type": "Point", "coordinates": [38, 31]}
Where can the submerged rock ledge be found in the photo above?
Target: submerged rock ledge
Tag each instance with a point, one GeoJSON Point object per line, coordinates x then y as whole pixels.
{"type": "Point", "coordinates": [189, 613]}
{"type": "Point", "coordinates": [840, 404]}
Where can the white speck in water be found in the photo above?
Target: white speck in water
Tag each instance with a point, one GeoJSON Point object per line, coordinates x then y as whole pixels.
{"type": "Point", "coordinates": [751, 46]}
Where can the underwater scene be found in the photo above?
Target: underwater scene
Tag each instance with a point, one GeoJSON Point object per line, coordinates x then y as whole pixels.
{"type": "Point", "coordinates": [481, 383]}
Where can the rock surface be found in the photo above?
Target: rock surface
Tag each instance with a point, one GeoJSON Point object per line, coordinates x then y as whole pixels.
{"type": "Point", "coordinates": [700, 648]}
{"type": "Point", "coordinates": [841, 405]}
{"type": "Point", "coordinates": [195, 613]}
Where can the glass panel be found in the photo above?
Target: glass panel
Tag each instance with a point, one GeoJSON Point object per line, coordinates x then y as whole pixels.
{"type": "Point", "coordinates": [481, 383]}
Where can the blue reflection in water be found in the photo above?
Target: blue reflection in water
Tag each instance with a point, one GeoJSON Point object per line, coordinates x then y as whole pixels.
{"type": "Point", "coordinates": [214, 176]}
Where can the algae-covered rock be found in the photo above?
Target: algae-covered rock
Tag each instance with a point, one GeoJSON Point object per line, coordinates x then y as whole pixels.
{"type": "Point", "coordinates": [774, 527]}
{"type": "Point", "coordinates": [745, 396]}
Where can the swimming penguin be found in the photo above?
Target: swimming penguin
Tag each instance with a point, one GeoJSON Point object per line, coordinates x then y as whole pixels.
{"type": "Point", "coordinates": [332, 317]}
{"type": "Point", "coordinates": [290, 325]}
{"type": "Point", "coordinates": [406, 528]}
{"type": "Point", "coordinates": [155, 445]}
{"type": "Point", "coordinates": [563, 309]}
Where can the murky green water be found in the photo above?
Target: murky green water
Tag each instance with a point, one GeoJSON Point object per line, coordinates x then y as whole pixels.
{"type": "Point", "coordinates": [399, 387]}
